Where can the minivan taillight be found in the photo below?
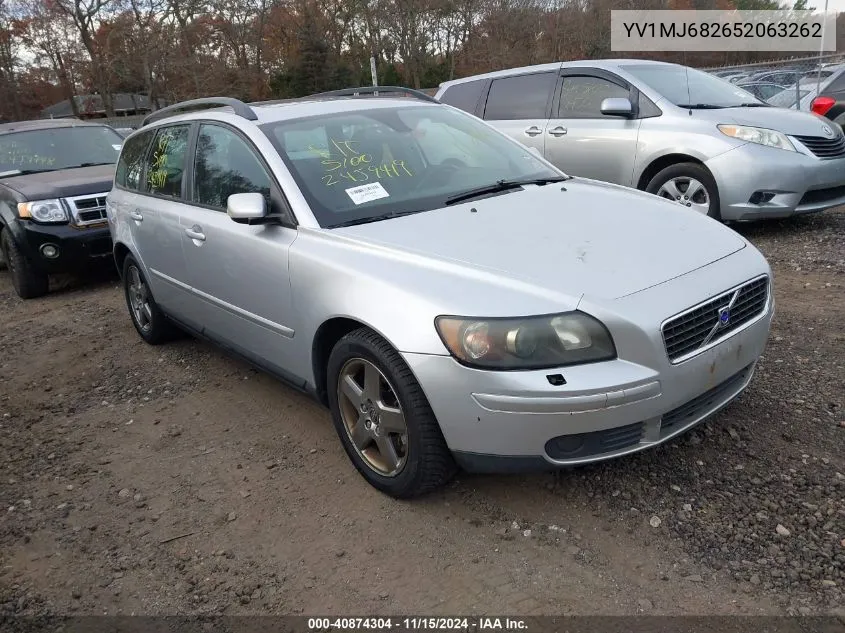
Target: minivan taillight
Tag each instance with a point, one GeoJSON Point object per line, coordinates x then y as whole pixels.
{"type": "Point", "coordinates": [821, 105]}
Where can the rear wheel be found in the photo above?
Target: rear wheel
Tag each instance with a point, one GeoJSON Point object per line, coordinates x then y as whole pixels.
{"type": "Point", "coordinates": [29, 282]}
{"type": "Point", "coordinates": [147, 318]}
{"type": "Point", "coordinates": [383, 418]}
{"type": "Point", "coordinates": [690, 185]}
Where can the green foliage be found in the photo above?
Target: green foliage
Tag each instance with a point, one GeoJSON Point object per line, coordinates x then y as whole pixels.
{"type": "Point", "coordinates": [760, 5]}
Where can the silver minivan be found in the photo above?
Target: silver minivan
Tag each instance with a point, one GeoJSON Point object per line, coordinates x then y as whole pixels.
{"type": "Point", "coordinates": [667, 129]}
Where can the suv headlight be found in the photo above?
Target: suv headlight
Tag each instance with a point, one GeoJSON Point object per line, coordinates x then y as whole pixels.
{"type": "Point", "coordinates": [539, 342]}
{"type": "Point", "coordinates": [759, 135]}
{"type": "Point", "coordinates": [43, 211]}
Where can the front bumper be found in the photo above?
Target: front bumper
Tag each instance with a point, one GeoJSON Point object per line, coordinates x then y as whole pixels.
{"type": "Point", "coordinates": [801, 182]}
{"type": "Point", "coordinates": [506, 421]}
{"type": "Point", "coordinates": [78, 248]}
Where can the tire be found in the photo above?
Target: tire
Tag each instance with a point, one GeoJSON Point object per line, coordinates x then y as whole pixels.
{"type": "Point", "coordinates": [686, 171]}
{"type": "Point", "coordinates": [29, 282]}
{"type": "Point", "coordinates": [428, 463]}
{"type": "Point", "coordinates": [153, 326]}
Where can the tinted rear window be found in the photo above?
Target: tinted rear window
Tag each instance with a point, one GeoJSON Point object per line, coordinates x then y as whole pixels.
{"type": "Point", "coordinates": [464, 96]}
{"type": "Point", "coordinates": [520, 97]}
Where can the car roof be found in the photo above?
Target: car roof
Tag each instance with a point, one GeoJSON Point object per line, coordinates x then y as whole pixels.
{"type": "Point", "coordinates": [601, 64]}
{"type": "Point", "coordinates": [292, 109]}
{"type": "Point", "coordinates": [46, 124]}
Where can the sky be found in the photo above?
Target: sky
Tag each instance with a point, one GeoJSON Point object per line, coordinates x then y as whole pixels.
{"type": "Point", "coordinates": [832, 5]}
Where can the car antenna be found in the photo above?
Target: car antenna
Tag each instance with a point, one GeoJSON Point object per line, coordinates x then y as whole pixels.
{"type": "Point", "coordinates": [689, 96]}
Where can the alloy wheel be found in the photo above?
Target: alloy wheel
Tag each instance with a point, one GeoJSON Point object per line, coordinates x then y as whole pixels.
{"type": "Point", "coordinates": [372, 417]}
{"type": "Point", "coordinates": [688, 192]}
{"type": "Point", "coordinates": [139, 300]}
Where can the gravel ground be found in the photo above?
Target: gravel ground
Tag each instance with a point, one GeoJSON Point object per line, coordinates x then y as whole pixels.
{"type": "Point", "coordinates": [176, 480]}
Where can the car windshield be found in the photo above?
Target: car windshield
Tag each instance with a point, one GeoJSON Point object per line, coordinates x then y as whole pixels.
{"type": "Point", "coordinates": [58, 148]}
{"type": "Point", "coordinates": [788, 97]}
{"type": "Point", "coordinates": [363, 165]}
{"type": "Point", "coordinates": [686, 87]}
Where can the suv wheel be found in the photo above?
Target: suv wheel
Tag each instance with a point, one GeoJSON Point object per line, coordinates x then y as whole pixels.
{"type": "Point", "coordinates": [690, 185]}
{"type": "Point", "coordinates": [383, 418]}
{"type": "Point", "coordinates": [29, 283]}
{"type": "Point", "coordinates": [147, 318]}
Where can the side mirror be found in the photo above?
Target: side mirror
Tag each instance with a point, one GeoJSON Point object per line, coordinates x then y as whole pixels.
{"type": "Point", "coordinates": [617, 106]}
{"type": "Point", "coordinates": [244, 207]}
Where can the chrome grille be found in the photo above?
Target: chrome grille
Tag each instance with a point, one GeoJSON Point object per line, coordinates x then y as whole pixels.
{"type": "Point", "coordinates": [88, 209]}
{"type": "Point", "coordinates": [715, 319]}
{"type": "Point", "coordinates": [824, 147]}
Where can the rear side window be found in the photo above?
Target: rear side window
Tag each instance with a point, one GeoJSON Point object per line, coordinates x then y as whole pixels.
{"type": "Point", "coordinates": [226, 165]}
{"type": "Point", "coordinates": [519, 97]}
{"type": "Point", "coordinates": [581, 96]}
{"type": "Point", "coordinates": [166, 161]}
{"type": "Point", "coordinates": [464, 96]}
{"type": "Point", "coordinates": [130, 165]}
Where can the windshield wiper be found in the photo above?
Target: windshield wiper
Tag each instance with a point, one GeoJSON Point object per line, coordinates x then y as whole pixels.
{"type": "Point", "coordinates": [502, 185]}
{"type": "Point", "coordinates": [375, 218]}
{"type": "Point", "coordinates": [753, 105]}
{"type": "Point", "coordinates": [22, 172]}
{"type": "Point", "coordinates": [701, 106]}
{"type": "Point", "coordinates": [89, 165]}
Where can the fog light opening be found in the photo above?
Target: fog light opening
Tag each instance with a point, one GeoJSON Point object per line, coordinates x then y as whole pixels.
{"type": "Point", "coordinates": [761, 197]}
{"type": "Point", "coordinates": [50, 251]}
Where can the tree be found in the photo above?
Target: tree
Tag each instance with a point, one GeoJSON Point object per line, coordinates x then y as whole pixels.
{"type": "Point", "coordinates": [87, 17]}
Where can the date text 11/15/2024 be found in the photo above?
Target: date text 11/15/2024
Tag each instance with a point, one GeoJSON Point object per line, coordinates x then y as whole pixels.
{"type": "Point", "coordinates": [418, 623]}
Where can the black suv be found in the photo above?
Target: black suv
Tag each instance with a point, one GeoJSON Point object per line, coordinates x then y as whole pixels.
{"type": "Point", "coordinates": [54, 177]}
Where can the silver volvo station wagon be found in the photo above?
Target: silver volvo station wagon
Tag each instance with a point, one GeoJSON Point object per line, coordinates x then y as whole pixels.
{"type": "Point", "coordinates": [453, 298]}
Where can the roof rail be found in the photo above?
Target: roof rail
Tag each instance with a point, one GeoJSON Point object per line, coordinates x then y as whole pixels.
{"type": "Point", "coordinates": [375, 91]}
{"type": "Point", "coordinates": [240, 108]}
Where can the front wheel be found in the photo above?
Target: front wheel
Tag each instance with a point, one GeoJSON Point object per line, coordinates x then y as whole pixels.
{"type": "Point", "coordinates": [690, 185]}
{"type": "Point", "coordinates": [383, 418]}
{"type": "Point", "coordinates": [28, 281]}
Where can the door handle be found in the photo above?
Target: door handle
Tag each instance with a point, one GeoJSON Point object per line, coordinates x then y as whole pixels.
{"type": "Point", "coordinates": [558, 131]}
{"type": "Point", "coordinates": [533, 131]}
{"type": "Point", "coordinates": [136, 216]}
{"type": "Point", "coordinates": [195, 233]}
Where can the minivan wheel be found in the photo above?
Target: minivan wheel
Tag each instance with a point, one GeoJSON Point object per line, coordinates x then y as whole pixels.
{"type": "Point", "coordinates": [147, 318]}
{"type": "Point", "coordinates": [690, 185]}
{"type": "Point", "coordinates": [383, 418]}
{"type": "Point", "coordinates": [29, 282]}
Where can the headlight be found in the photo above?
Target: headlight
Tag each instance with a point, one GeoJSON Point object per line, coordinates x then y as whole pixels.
{"type": "Point", "coordinates": [526, 342]}
{"type": "Point", "coordinates": [44, 211]}
{"type": "Point", "coordinates": [759, 135]}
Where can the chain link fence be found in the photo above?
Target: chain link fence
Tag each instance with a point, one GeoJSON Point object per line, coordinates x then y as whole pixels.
{"type": "Point", "coordinates": [787, 83]}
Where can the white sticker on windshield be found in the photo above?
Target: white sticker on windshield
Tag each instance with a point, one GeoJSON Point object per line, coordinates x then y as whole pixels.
{"type": "Point", "coordinates": [367, 193]}
{"type": "Point", "coordinates": [116, 147]}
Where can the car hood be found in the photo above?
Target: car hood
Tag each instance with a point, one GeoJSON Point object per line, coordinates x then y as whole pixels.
{"type": "Point", "coordinates": [589, 238]}
{"type": "Point", "coordinates": [789, 122]}
{"type": "Point", "coordinates": [62, 183]}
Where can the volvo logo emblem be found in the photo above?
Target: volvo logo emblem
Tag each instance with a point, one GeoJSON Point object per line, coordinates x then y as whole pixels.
{"type": "Point", "coordinates": [828, 131]}
{"type": "Point", "coordinates": [724, 316]}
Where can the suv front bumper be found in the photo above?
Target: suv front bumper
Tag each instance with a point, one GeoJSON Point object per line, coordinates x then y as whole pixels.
{"type": "Point", "coordinates": [77, 248]}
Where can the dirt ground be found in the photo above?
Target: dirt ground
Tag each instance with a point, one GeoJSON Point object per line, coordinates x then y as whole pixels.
{"type": "Point", "coordinates": [176, 480]}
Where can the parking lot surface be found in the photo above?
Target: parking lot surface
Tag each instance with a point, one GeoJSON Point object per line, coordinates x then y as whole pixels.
{"type": "Point", "coordinates": [174, 479]}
